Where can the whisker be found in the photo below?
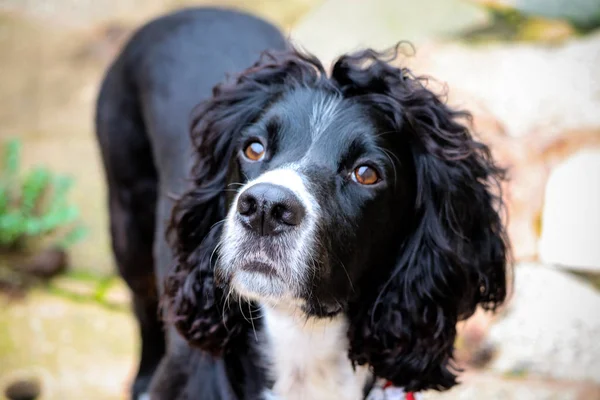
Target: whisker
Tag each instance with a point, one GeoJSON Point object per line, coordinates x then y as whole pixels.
{"type": "Point", "coordinates": [247, 319]}
{"type": "Point", "coordinates": [252, 322]}
{"type": "Point", "coordinates": [347, 274]}
{"type": "Point", "coordinates": [219, 244]}
{"type": "Point", "coordinates": [228, 299]}
{"type": "Point", "coordinates": [217, 223]}
{"type": "Point", "coordinates": [387, 154]}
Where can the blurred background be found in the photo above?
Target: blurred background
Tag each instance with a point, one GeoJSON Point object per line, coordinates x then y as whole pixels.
{"type": "Point", "coordinates": [528, 70]}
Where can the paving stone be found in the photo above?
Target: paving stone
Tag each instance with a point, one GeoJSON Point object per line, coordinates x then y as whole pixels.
{"type": "Point", "coordinates": [76, 350]}
{"type": "Point", "coordinates": [528, 87]}
{"type": "Point", "coordinates": [551, 328]}
{"type": "Point", "coordinates": [571, 214]}
{"type": "Point", "coordinates": [339, 26]}
{"type": "Point", "coordinates": [486, 386]}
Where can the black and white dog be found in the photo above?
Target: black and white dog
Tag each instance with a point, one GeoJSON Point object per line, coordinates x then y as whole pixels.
{"type": "Point", "coordinates": [315, 232]}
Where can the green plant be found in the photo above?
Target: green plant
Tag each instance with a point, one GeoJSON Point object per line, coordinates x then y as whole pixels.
{"type": "Point", "coordinates": [34, 206]}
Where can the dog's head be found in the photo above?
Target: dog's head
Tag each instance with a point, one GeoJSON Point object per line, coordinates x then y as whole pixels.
{"type": "Point", "coordinates": [359, 193]}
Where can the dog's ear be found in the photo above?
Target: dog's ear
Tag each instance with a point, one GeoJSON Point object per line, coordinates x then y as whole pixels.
{"type": "Point", "coordinates": [452, 257]}
{"type": "Point", "coordinates": [194, 303]}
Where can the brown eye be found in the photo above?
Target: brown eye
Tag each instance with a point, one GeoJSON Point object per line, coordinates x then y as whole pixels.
{"type": "Point", "coordinates": [365, 175]}
{"type": "Point", "coordinates": [254, 151]}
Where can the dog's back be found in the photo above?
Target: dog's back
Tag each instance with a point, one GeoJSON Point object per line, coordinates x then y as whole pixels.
{"type": "Point", "coordinates": [167, 68]}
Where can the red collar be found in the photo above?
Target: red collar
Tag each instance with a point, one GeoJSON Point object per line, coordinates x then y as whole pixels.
{"type": "Point", "coordinates": [407, 395]}
{"type": "Point", "coordinates": [385, 390]}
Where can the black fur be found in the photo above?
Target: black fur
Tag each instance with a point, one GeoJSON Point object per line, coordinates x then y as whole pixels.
{"type": "Point", "coordinates": [448, 259]}
{"type": "Point", "coordinates": [453, 256]}
{"type": "Point", "coordinates": [404, 260]}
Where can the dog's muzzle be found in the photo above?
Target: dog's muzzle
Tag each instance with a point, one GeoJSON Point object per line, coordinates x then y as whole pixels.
{"type": "Point", "coordinates": [268, 243]}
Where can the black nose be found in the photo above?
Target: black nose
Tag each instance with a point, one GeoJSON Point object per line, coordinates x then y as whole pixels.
{"type": "Point", "coordinates": [269, 209]}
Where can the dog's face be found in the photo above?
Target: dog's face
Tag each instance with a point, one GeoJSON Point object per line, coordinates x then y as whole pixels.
{"type": "Point", "coordinates": [358, 192]}
{"type": "Point", "coordinates": [322, 194]}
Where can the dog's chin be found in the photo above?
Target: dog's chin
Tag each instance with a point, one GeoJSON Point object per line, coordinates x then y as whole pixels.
{"type": "Point", "coordinates": [261, 281]}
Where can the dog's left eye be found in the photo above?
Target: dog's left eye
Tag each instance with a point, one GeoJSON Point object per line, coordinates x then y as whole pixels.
{"type": "Point", "coordinates": [365, 175]}
{"type": "Point", "coordinates": [254, 151]}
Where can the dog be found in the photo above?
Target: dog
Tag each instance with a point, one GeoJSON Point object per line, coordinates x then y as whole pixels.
{"type": "Point", "coordinates": [289, 233]}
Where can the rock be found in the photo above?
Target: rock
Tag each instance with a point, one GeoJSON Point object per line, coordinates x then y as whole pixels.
{"type": "Point", "coordinates": [486, 386]}
{"type": "Point", "coordinates": [23, 390]}
{"type": "Point", "coordinates": [524, 203]}
{"type": "Point", "coordinates": [472, 349]}
{"type": "Point", "coordinates": [556, 147]}
{"type": "Point", "coordinates": [77, 350]}
{"type": "Point", "coordinates": [583, 13]}
{"type": "Point", "coordinates": [551, 327]}
{"type": "Point", "coordinates": [12, 283]}
{"type": "Point", "coordinates": [571, 214]}
{"type": "Point", "coordinates": [529, 161]}
{"type": "Point", "coordinates": [46, 264]}
{"type": "Point", "coordinates": [524, 195]}
{"type": "Point", "coordinates": [348, 25]}
{"type": "Point", "coordinates": [483, 356]}
{"type": "Point", "coordinates": [528, 87]}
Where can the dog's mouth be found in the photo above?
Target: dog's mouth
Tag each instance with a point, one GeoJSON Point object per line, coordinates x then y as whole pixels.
{"type": "Point", "coordinates": [259, 267]}
{"type": "Point", "coordinates": [259, 278]}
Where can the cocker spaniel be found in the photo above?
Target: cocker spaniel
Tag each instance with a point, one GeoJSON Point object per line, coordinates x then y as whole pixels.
{"type": "Point", "coordinates": [315, 234]}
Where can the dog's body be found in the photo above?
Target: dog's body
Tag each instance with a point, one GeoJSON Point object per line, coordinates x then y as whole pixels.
{"type": "Point", "coordinates": [333, 230]}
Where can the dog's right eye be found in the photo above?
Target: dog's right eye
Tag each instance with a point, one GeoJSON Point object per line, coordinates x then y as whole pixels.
{"type": "Point", "coordinates": [254, 151]}
{"type": "Point", "coordinates": [365, 175]}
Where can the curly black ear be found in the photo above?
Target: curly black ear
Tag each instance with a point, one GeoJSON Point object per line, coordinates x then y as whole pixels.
{"type": "Point", "coordinates": [194, 303]}
{"type": "Point", "coordinates": [453, 257]}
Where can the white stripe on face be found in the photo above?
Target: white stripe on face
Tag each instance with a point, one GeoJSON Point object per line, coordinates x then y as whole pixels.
{"type": "Point", "coordinates": [323, 113]}
{"type": "Point", "coordinates": [294, 251]}
{"type": "Point", "coordinates": [289, 178]}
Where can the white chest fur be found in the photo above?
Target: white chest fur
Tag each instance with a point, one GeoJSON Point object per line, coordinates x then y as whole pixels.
{"type": "Point", "coordinates": [308, 359]}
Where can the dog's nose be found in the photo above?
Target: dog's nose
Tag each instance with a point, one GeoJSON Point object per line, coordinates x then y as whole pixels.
{"type": "Point", "coordinates": [269, 209]}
